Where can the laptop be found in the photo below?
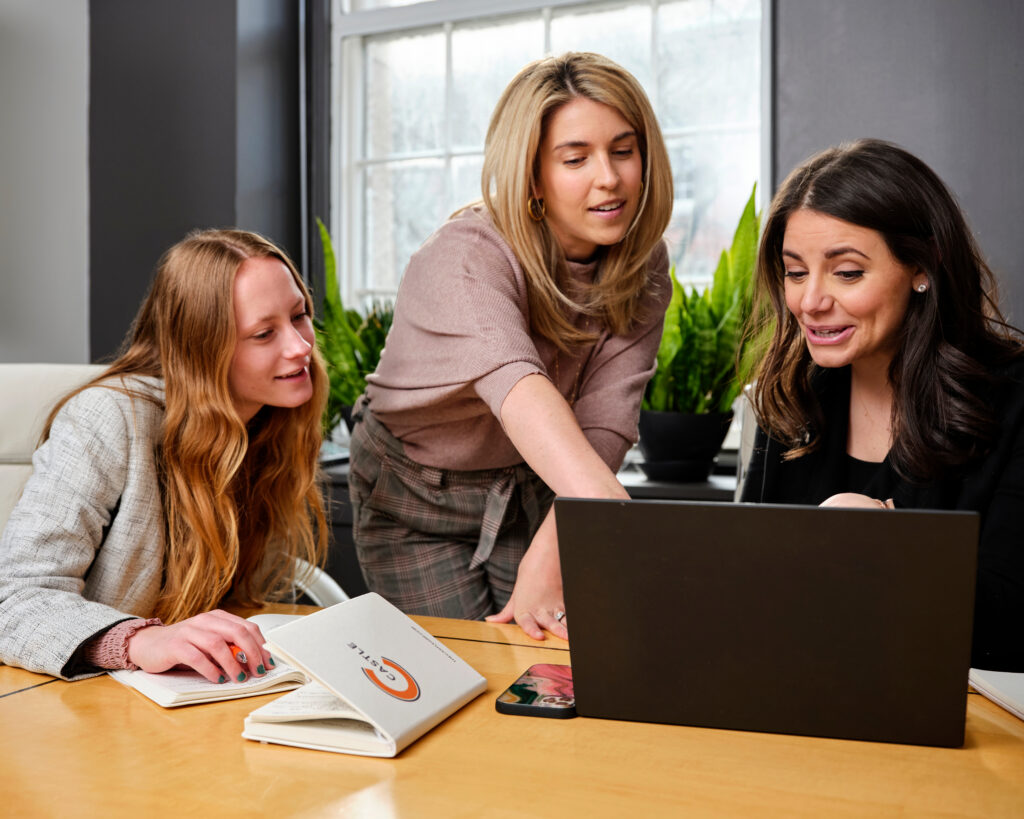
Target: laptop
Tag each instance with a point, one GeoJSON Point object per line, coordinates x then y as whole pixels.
{"type": "Point", "coordinates": [847, 623]}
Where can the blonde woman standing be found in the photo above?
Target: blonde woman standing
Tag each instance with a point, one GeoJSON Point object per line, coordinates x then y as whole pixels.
{"type": "Point", "coordinates": [183, 475]}
{"type": "Point", "coordinates": [525, 331]}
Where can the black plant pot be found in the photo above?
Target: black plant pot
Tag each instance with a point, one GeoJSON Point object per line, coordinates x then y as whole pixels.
{"type": "Point", "coordinates": [681, 447]}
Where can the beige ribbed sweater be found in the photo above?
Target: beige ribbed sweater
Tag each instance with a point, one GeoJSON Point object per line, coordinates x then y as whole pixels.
{"type": "Point", "coordinates": [461, 340]}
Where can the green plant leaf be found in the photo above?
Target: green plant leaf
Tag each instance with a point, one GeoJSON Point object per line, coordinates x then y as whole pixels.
{"type": "Point", "coordinates": [743, 253]}
{"type": "Point", "coordinates": [696, 363]}
{"type": "Point", "coordinates": [722, 293]}
{"type": "Point", "coordinates": [659, 393]}
{"type": "Point", "coordinates": [350, 344]}
{"type": "Point", "coordinates": [332, 294]}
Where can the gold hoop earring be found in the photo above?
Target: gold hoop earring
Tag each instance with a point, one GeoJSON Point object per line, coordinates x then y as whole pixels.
{"type": "Point", "coordinates": [535, 207]}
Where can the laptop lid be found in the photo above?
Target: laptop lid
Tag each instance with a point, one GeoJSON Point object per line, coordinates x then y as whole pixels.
{"type": "Point", "coordinates": [848, 623]}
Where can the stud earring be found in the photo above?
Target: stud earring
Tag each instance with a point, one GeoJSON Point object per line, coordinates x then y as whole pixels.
{"type": "Point", "coordinates": [535, 207]}
{"type": "Point", "coordinates": [922, 287]}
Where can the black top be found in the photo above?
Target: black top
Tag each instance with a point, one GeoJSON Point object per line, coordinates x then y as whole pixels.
{"type": "Point", "coordinates": [860, 474]}
{"type": "Point", "coordinates": [993, 486]}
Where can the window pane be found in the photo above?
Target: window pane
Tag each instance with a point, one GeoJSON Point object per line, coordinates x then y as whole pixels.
{"type": "Point", "coordinates": [709, 59]}
{"type": "Point", "coordinates": [405, 203]}
{"type": "Point", "coordinates": [484, 60]}
{"type": "Point", "coordinates": [684, 181]}
{"type": "Point", "coordinates": [734, 9]}
{"type": "Point", "coordinates": [466, 172]}
{"type": "Point", "coordinates": [405, 94]}
{"type": "Point", "coordinates": [699, 61]}
{"type": "Point", "coordinates": [365, 5]}
{"type": "Point", "coordinates": [709, 65]}
{"type": "Point", "coordinates": [621, 34]}
{"type": "Point", "coordinates": [713, 173]}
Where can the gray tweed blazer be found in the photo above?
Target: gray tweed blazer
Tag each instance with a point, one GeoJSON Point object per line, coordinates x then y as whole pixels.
{"type": "Point", "coordinates": [84, 547]}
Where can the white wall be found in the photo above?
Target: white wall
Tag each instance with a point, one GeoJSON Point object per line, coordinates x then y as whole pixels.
{"type": "Point", "coordinates": [44, 202]}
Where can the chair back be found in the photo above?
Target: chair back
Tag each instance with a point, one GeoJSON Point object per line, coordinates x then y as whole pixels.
{"type": "Point", "coordinates": [748, 433]}
{"type": "Point", "coordinates": [27, 394]}
{"type": "Point", "coordinates": [317, 585]}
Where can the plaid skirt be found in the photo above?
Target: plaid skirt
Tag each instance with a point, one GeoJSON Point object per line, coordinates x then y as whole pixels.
{"type": "Point", "coordinates": [439, 542]}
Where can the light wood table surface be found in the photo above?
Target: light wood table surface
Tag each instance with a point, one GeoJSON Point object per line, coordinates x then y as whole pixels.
{"type": "Point", "coordinates": [96, 748]}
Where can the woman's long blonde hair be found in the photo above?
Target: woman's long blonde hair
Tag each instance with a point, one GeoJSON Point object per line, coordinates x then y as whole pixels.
{"type": "Point", "coordinates": [510, 171]}
{"type": "Point", "coordinates": [240, 501]}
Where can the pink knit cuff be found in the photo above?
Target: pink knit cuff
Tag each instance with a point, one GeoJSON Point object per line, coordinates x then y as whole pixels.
{"type": "Point", "coordinates": [110, 649]}
{"type": "Point", "coordinates": [611, 446]}
{"type": "Point", "coordinates": [494, 387]}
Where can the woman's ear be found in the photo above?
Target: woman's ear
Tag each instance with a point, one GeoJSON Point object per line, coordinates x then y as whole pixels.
{"type": "Point", "coordinates": [919, 282]}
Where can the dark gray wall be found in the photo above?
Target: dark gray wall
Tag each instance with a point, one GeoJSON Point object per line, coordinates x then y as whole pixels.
{"type": "Point", "coordinates": [193, 123]}
{"type": "Point", "coordinates": [943, 78]}
{"type": "Point", "coordinates": [267, 159]}
{"type": "Point", "coordinates": [317, 142]}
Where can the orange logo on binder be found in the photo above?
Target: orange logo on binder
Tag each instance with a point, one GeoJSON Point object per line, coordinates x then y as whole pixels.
{"type": "Point", "coordinates": [411, 691]}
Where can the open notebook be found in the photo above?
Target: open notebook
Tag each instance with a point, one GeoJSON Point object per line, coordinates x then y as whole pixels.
{"type": "Point", "coordinates": [1004, 688]}
{"type": "Point", "coordinates": [172, 689]}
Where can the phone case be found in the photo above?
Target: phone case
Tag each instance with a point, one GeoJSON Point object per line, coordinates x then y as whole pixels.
{"type": "Point", "coordinates": [544, 690]}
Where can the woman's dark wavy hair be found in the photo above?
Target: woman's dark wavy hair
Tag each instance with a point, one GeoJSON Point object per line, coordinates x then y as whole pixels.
{"type": "Point", "coordinates": [953, 335]}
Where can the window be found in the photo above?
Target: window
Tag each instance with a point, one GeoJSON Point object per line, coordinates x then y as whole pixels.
{"type": "Point", "coordinates": [417, 81]}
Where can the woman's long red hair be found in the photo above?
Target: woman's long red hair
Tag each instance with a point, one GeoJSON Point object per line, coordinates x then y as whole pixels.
{"type": "Point", "coordinates": [241, 501]}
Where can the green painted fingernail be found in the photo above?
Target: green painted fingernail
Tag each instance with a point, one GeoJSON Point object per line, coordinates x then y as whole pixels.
{"type": "Point", "coordinates": [271, 661]}
{"type": "Point", "coordinates": [260, 669]}
{"type": "Point", "coordinates": [222, 679]}
{"type": "Point", "coordinates": [241, 677]}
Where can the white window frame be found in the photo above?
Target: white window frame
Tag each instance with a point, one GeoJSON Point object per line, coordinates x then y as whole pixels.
{"type": "Point", "coordinates": [348, 104]}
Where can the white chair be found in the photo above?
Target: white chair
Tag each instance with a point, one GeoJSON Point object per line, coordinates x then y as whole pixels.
{"type": "Point", "coordinates": [748, 433]}
{"type": "Point", "coordinates": [27, 394]}
{"type": "Point", "coordinates": [317, 585]}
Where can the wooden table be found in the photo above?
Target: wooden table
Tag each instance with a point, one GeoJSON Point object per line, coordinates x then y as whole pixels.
{"type": "Point", "coordinates": [95, 748]}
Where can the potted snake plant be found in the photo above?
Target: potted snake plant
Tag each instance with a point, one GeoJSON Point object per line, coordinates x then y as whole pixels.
{"type": "Point", "coordinates": [701, 364]}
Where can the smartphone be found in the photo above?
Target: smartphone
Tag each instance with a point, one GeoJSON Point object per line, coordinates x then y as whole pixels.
{"type": "Point", "coordinates": [544, 690]}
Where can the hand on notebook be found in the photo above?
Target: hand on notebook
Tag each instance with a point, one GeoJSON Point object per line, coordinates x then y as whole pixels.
{"type": "Point", "coordinates": [852, 500]}
{"type": "Point", "coordinates": [202, 643]}
{"type": "Point", "coordinates": [537, 597]}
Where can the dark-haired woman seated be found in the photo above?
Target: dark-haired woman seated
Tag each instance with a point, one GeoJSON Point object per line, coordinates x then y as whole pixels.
{"type": "Point", "coordinates": [891, 378]}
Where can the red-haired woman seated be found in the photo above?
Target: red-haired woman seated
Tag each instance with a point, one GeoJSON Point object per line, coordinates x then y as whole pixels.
{"type": "Point", "coordinates": [183, 475]}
